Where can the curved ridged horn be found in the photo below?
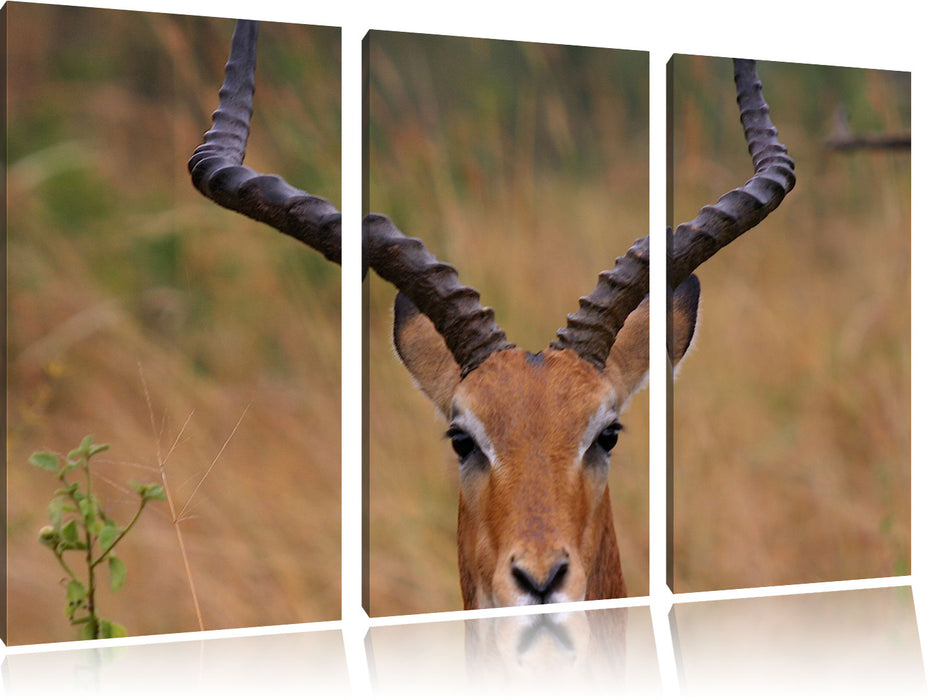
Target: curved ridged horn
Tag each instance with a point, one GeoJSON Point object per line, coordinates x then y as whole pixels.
{"type": "Point", "coordinates": [592, 329]}
{"type": "Point", "coordinates": [217, 170]}
{"type": "Point", "coordinates": [742, 208]}
{"type": "Point", "coordinates": [455, 310]}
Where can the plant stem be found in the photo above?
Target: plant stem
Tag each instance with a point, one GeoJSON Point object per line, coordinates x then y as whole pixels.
{"type": "Point", "coordinates": [185, 562]}
{"type": "Point", "coordinates": [136, 516]}
{"type": "Point", "coordinates": [61, 560]}
{"type": "Point", "coordinates": [174, 516]}
{"type": "Point", "coordinates": [91, 607]}
{"type": "Point", "coordinates": [89, 558]}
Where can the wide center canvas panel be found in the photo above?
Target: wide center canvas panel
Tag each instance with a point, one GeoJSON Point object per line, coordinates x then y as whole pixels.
{"type": "Point", "coordinates": [526, 167]}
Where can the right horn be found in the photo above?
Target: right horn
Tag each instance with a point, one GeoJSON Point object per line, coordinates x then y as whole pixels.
{"type": "Point", "coordinates": [592, 329]}
{"type": "Point", "coordinates": [742, 208]}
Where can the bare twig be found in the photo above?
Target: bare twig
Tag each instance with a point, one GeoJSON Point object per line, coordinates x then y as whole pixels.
{"type": "Point", "coordinates": [853, 142]}
{"type": "Point", "coordinates": [184, 509]}
{"type": "Point", "coordinates": [172, 510]}
{"type": "Point", "coordinates": [178, 515]}
{"type": "Point", "coordinates": [843, 138]}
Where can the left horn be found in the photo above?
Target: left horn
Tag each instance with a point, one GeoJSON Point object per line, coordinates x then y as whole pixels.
{"type": "Point", "coordinates": [217, 170]}
{"type": "Point", "coordinates": [455, 310]}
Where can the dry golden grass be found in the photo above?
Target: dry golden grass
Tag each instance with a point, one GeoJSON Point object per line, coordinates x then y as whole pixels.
{"type": "Point", "coordinates": [119, 272]}
{"type": "Point", "coordinates": [792, 415]}
{"type": "Point", "coordinates": [526, 167]}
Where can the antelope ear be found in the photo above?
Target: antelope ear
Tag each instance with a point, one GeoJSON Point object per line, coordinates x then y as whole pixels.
{"type": "Point", "coordinates": [629, 359]}
{"type": "Point", "coordinates": [424, 354]}
{"type": "Point", "coordinates": [681, 321]}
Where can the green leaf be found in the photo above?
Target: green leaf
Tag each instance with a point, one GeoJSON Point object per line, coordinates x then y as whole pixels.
{"type": "Point", "coordinates": [118, 573]}
{"type": "Point", "coordinates": [70, 532]}
{"type": "Point", "coordinates": [56, 508]}
{"type": "Point", "coordinates": [98, 511]}
{"type": "Point", "coordinates": [77, 596]}
{"type": "Point", "coordinates": [97, 449]}
{"type": "Point", "coordinates": [45, 460]}
{"type": "Point", "coordinates": [150, 492]}
{"type": "Point", "coordinates": [75, 592]}
{"type": "Point", "coordinates": [86, 506]}
{"type": "Point", "coordinates": [109, 534]}
{"type": "Point", "coordinates": [71, 490]}
{"type": "Point", "coordinates": [89, 631]}
{"type": "Point", "coordinates": [110, 630]}
{"type": "Point", "coordinates": [86, 443]}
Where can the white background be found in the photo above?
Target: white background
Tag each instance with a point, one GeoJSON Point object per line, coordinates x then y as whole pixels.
{"type": "Point", "coordinates": [896, 35]}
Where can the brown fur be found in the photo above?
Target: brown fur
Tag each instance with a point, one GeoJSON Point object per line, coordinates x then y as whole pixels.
{"type": "Point", "coordinates": [606, 580]}
{"type": "Point", "coordinates": [536, 507]}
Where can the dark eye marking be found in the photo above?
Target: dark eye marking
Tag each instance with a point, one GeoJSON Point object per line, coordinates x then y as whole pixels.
{"type": "Point", "coordinates": [608, 437]}
{"type": "Point", "coordinates": [462, 442]}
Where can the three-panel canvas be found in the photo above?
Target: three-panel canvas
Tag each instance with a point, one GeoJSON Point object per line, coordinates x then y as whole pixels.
{"type": "Point", "coordinates": [174, 351]}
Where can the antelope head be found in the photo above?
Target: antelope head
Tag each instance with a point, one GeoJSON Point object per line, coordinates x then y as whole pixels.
{"type": "Point", "coordinates": [533, 432]}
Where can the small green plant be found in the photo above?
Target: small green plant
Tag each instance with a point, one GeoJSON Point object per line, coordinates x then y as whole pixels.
{"type": "Point", "coordinates": [79, 523]}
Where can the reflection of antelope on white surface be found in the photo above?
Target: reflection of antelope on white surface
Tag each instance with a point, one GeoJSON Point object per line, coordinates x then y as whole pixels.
{"type": "Point", "coordinates": [583, 651]}
{"type": "Point", "coordinates": [533, 432]}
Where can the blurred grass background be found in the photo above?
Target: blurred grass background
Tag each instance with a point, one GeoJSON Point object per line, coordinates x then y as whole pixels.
{"type": "Point", "coordinates": [792, 413]}
{"type": "Point", "coordinates": [525, 166]}
{"type": "Point", "coordinates": [118, 268]}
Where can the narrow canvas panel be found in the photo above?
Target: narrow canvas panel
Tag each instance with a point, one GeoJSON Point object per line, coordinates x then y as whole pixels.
{"type": "Point", "coordinates": [202, 347]}
{"type": "Point", "coordinates": [791, 434]}
{"type": "Point", "coordinates": [526, 167]}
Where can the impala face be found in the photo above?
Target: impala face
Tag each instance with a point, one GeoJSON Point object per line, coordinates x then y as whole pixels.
{"type": "Point", "coordinates": [533, 435]}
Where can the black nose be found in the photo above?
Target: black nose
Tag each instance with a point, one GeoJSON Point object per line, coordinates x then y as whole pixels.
{"type": "Point", "coordinates": [551, 583]}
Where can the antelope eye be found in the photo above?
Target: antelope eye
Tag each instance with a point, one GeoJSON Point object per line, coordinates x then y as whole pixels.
{"type": "Point", "coordinates": [608, 437]}
{"type": "Point", "coordinates": [461, 442]}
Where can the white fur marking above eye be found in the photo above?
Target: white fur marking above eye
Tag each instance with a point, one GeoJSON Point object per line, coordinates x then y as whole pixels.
{"type": "Point", "coordinates": [606, 414]}
{"type": "Point", "coordinates": [471, 425]}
